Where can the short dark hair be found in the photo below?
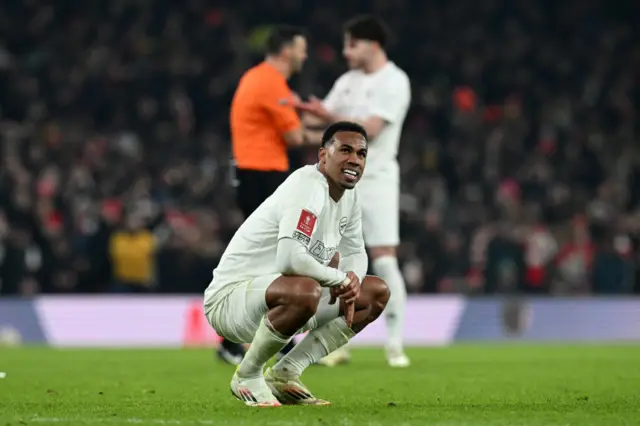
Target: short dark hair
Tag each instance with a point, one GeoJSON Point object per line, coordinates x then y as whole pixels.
{"type": "Point", "coordinates": [367, 27]}
{"type": "Point", "coordinates": [281, 36]}
{"type": "Point", "coordinates": [342, 126]}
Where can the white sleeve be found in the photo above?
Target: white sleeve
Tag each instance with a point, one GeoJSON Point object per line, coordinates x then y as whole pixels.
{"type": "Point", "coordinates": [391, 101]}
{"type": "Point", "coordinates": [296, 224]}
{"type": "Point", "coordinates": [331, 100]}
{"type": "Point", "coordinates": [353, 255]}
{"type": "Point", "coordinates": [292, 258]}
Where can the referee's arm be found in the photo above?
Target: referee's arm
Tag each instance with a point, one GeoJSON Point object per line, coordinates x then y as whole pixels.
{"type": "Point", "coordinates": [284, 115]}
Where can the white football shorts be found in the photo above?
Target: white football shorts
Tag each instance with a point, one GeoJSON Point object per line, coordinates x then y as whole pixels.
{"type": "Point", "coordinates": [235, 311]}
{"type": "Point", "coordinates": [380, 201]}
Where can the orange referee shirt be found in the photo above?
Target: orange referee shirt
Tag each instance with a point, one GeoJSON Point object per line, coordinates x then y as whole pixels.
{"type": "Point", "coordinates": [261, 113]}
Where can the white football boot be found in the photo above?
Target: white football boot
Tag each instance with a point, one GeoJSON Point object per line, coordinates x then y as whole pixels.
{"type": "Point", "coordinates": [290, 390]}
{"type": "Point", "coordinates": [397, 358]}
{"type": "Point", "coordinates": [254, 391]}
{"type": "Point", "coordinates": [338, 357]}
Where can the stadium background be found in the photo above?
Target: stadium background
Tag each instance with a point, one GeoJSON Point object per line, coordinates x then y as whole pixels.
{"type": "Point", "coordinates": [520, 157]}
{"type": "Point", "coordinates": [521, 209]}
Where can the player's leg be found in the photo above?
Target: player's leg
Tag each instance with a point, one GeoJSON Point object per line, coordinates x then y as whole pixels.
{"type": "Point", "coordinates": [271, 182]}
{"type": "Point", "coordinates": [276, 314]}
{"type": "Point", "coordinates": [330, 333]}
{"type": "Point", "coordinates": [341, 355]}
{"type": "Point", "coordinates": [385, 265]}
{"type": "Point", "coordinates": [253, 188]}
{"type": "Point", "coordinates": [380, 226]}
{"type": "Point", "coordinates": [230, 352]}
{"type": "Point", "coordinates": [248, 197]}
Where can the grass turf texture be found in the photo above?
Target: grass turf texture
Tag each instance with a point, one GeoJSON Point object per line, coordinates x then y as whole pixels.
{"type": "Point", "coordinates": [455, 386]}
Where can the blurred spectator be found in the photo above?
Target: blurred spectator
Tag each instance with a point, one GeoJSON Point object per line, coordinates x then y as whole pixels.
{"type": "Point", "coordinates": [611, 273]}
{"type": "Point", "coordinates": [132, 251]}
{"type": "Point", "coordinates": [505, 269]}
{"type": "Point", "coordinates": [575, 259]}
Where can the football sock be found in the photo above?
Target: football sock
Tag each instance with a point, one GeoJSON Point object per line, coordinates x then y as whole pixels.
{"type": "Point", "coordinates": [315, 346]}
{"type": "Point", "coordinates": [266, 343]}
{"type": "Point", "coordinates": [287, 348]}
{"type": "Point", "coordinates": [386, 267]}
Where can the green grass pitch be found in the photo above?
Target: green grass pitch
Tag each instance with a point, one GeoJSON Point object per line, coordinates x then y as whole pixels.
{"type": "Point", "coordinates": [459, 385]}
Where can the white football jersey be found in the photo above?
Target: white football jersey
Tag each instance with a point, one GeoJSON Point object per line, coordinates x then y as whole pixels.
{"type": "Point", "coordinates": [385, 94]}
{"type": "Point", "coordinates": [300, 209]}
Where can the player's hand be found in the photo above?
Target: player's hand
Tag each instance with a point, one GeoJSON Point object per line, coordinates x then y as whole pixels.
{"type": "Point", "coordinates": [350, 295]}
{"type": "Point", "coordinates": [352, 290]}
{"type": "Point", "coordinates": [349, 308]}
{"type": "Point", "coordinates": [335, 261]}
{"type": "Point", "coordinates": [349, 313]}
{"type": "Point", "coordinates": [315, 107]}
{"type": "Point", "coordinates": [295, 100]}
{"type": "Point", "coordinates": [348, 291]}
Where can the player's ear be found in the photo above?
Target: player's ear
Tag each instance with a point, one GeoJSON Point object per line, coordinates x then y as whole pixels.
{"type": "Point", "coordinates": [287, 50]}
{"type": "Point", "coordinates": [322, 154]}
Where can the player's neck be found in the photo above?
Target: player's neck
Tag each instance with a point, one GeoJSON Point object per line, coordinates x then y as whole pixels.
{"type": "Point", "coordinates": [281, 66]}
{"type": "Point", "coordinates": [335, 191]}
{"type": "Point", "coordinates": [376, 63]}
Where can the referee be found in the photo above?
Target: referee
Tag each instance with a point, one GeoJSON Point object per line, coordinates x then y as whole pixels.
{"type": "Point", "coordinates": [264, 125]}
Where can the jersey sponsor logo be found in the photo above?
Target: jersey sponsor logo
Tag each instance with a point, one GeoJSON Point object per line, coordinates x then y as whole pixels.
{"type": "Point", "coordinates": [307, 222]}
{"type": "Point", "coordinates": [342, 225]}
{"type": "Point", "coordinates": [297, 235]}
{"type": "Point", "coordinates": [322, 253]}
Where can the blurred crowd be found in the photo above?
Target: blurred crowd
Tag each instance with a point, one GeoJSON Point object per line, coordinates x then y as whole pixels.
{"type": "Point", "coordinates": [520, 159]}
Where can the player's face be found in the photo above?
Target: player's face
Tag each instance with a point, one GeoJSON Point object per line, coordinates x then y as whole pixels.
{"type": "Point", "coordinates": [297, 53]}
{"type": "Point", "coordinates": [343, 160]}
{"type": "Point", "coordinates": [356, 51]}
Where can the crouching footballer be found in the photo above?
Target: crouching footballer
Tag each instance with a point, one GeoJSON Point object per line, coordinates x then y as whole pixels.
{"type": "Point", "coordinates": [274, 280]}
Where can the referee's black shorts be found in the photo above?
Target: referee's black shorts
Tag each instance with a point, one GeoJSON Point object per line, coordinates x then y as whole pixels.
{"type": "Point", "coordinates": [254, 186]}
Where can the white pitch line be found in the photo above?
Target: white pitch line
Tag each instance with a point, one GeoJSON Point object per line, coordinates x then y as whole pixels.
{"type": "Point", "coordinates": [140, 421]}
{"type": "Point", "coordinates": [120, 420]}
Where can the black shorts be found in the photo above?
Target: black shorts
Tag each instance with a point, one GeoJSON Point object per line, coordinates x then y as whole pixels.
{"type": "Point", "coordinates": [254, 187]}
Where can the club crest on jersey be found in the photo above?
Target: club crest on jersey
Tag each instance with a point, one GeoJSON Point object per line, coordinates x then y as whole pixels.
{"type": "Point", "coordinates": [307, 222]}
{"type": "Point", "coordinates": [342, 225]}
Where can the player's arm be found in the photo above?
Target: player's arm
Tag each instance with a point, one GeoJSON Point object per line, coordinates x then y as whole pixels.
{"type": "Point", "coordinates": [388, 105]}
{"type": "Point", "coordinates": [314, 124]}
{"type": "Point", "coordinates": [314, 127]}
{"type": "Point", "coordinates": [372, 124]}
{"type": "Point", "coordinates": [296, 226]}
{"type": "Point", "coordinates": [313, 137]}
{"type": "Point", "coordinates": [353, 255]}
{"type": "Point", "coordinates": [310, 121]}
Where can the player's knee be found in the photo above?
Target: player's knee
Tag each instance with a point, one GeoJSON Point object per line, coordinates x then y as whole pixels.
{"type": "Point", "coordinates": [304, 295]}
{"type": "Point", "coordinates": [378, 291]}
